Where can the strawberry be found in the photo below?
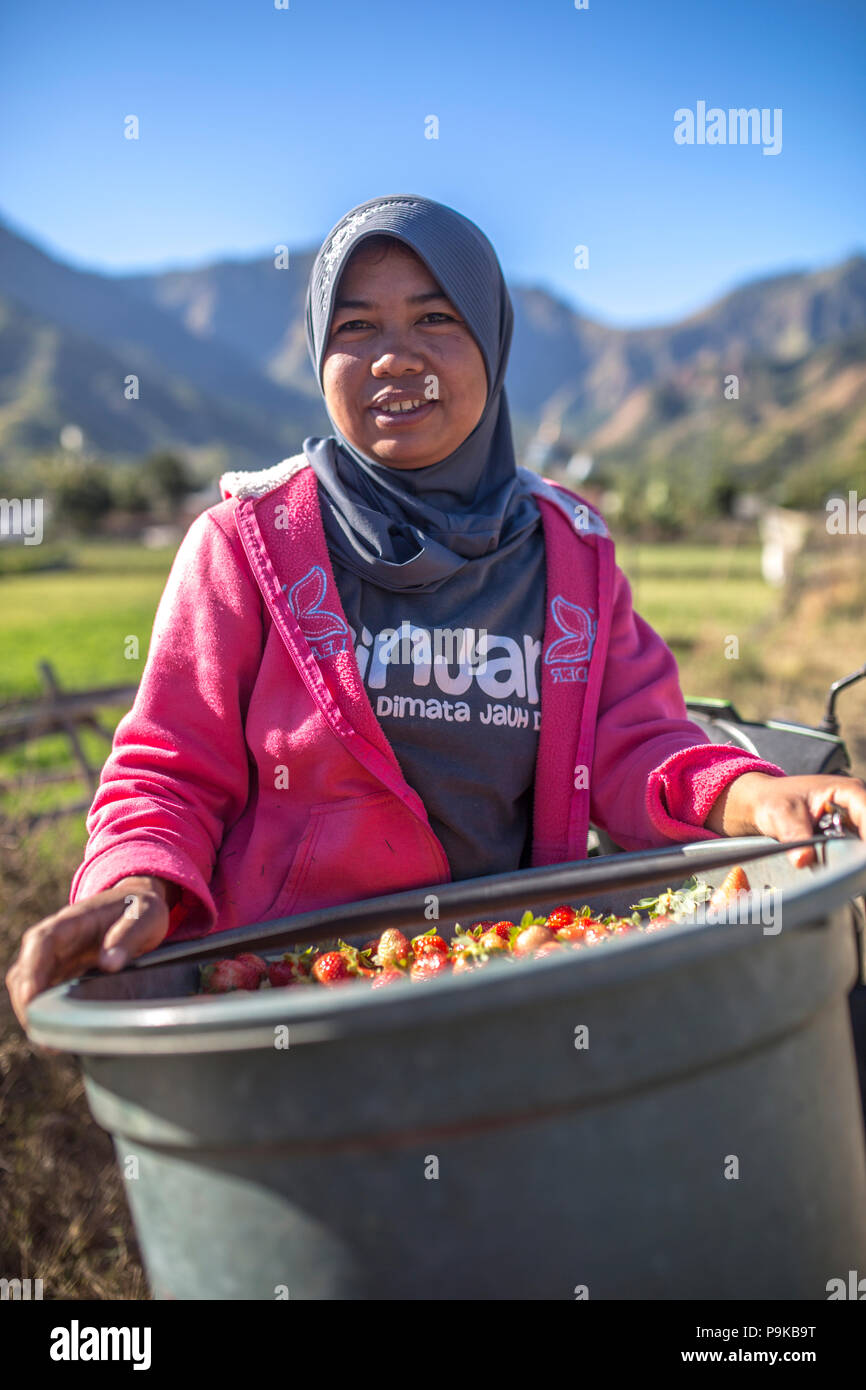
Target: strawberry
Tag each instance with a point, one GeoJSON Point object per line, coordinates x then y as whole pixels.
{"type": "Point", "coordinates": [332, 968]}
{"type": "Point", "coordinates": [389, 976]}
{"type": "Point", "coordinates": [459, 948]}
{"type": "Point", "coordinates": [573, 932]}
{"type": "Point", "coordinates": [291, 968]}
{"type": "Point", "coordinates": [531, 938]}
{"type": "Point", "coordinates": [391, 947]}
{"type": "Point", "coordinates": [461, 942]}
{"type": "Point", "coordinates": [280, 973]}
{"type": "Point", "coordinates": [467, 960]}
{"type": "Point", "coordinates": [428, 964]}
{"type": "Point", "coordinates": [479, 928]}
{"type": "Point", "coordinates": [734, 882]}
{"type": "Point", "coordinates": [657, 923]}
{"type": "Point", "coordinates": [358, 962]}
{"type": "Point", "coordinates": [594, 934]}
{"type": "Point", "coordinates": [430, 941]}
{"type": "Point", "coordinates": [245, 971]}
{"type": "Point", "coordinates": [616, 926]}
{"type": "Point", "coordinates": [549, 948]}
{"type": "Point", "coordinates": [471, 958]}
{"type": "Point", "coordinates": [561, 917]}
{"type": "Point", "coordinates": [493, 940]}
{"type": "Point", "coordinates": [469, 952]}
{"type": "Point", "coordinates": [503, 929]}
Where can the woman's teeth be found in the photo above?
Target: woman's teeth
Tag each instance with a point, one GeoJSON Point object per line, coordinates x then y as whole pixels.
{"type": "Point", "coordinates": [397, 406]}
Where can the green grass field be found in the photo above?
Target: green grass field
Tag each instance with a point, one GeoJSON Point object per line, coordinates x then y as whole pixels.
{"type": "Point", "coordinates": [79, 619]}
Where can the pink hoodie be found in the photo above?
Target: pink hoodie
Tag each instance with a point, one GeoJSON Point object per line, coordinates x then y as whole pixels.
{"type": "Point", "coordinates": [252, 770]}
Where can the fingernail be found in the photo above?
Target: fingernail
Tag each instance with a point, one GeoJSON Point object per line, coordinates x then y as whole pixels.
{"type": "Point", "coordinates": [114, 957]}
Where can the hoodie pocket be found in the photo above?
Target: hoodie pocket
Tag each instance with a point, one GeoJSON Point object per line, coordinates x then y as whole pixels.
{"type": "Point", "coordinates": [354, 849]}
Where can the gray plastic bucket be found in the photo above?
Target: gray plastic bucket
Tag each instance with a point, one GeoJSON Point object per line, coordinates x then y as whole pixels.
{"type": "Point", "coordinates": [452, 1140]}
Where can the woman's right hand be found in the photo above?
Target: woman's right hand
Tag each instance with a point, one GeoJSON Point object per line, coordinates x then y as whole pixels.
{"type": "Point", "coordinates": [106, 931]}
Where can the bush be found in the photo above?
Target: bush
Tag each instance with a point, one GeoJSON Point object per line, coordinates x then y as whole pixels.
{"type": "Point", "coordinates": [83, 498]}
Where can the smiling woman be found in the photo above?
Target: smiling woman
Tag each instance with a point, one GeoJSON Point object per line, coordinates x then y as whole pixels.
{"type": "Point", "coordinates": [254, 778]}
{"type": "Point", "coordinates": [403, 377]}
{"type": "Point", "coordinates": [407, 303]}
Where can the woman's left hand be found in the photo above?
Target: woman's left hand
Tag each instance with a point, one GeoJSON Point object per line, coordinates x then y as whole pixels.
{"type": "Point", "coordinates": [787, 808]}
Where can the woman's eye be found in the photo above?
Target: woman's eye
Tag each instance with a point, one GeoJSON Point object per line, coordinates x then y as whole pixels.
{"type": "Point", "coordinates": [360, 325]}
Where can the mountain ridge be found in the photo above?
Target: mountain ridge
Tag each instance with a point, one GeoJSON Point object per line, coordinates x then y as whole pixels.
{"type": "Point", "coordinates": [221, 353]}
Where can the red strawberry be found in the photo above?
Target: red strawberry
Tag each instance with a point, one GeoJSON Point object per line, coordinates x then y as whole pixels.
{"type": "Point", "coordinates": [243, 972]}
{"type": "Point", "coordinates": [392, 947]}
{"type": "Point", "coordinates": [503, 929]}
{"type": "Point", "coordinates": [389, 976]}
{"type": "Point", "coordinates": [428, 964]}
{"type": "Point", "coordinates": [561, 917]}
{"type": "Point", "coordinates": [332, 968]}
{"type": "Point", "coordinates": [734, 882]}
{"type": "Point", "coordinates": [282, 972]}
{"type": "Point", "coordinates": [530, 939]}
{"type": "Point", "coordinates": [573, 932]}
{"type": "Point", "coordinates": [617, 925]}
{"type": "Point", "coordinates": [291, 967]}
{"type": "Point", "coordinates": [358, 962]}
{"type": "Point", "coordinates": [430, 941]}
{"type": "Point", "coordinates": [594, 934]}
{"type": "Point", "coordinates": [479, 928]}
{"type": "Point", "coordinates": [656, 923]}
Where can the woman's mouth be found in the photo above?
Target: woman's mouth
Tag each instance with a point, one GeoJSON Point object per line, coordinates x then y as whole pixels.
{"type": "Point", "coordinates": [399, 414]}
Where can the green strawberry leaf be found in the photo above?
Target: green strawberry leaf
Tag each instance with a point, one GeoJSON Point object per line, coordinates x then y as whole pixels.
{"type": "Point", "coordinates": [672, 901]}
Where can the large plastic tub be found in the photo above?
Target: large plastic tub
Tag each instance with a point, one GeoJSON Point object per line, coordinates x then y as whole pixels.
{"type": "Point", "coordinates": [450, 1140]}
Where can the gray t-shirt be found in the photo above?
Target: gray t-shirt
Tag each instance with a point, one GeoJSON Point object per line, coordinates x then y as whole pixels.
{"type": "Point", "coordinates": [453, 677]}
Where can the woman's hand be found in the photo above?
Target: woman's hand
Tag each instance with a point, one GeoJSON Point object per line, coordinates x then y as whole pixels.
{"type": "Point", "coordinates": [105, 930]}
{"type": "Point", "coordinates": [787, 808]}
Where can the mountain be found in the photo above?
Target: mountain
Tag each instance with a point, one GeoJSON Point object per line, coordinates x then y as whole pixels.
{"type": "Point", "coordinates": [222, 358]}
{"type": "Point", "coordinates": [51, 375]}
{"type": "Point", "coordinates": [71, 337]}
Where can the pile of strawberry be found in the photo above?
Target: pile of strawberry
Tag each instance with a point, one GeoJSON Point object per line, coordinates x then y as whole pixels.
{"type": "Point", "coordinates": [393, 957]}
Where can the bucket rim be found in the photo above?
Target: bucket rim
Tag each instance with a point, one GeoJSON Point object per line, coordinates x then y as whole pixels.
{"type": "Point", "coordinates": [63, 1017]}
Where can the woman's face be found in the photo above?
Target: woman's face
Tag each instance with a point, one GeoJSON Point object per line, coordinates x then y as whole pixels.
{"type": "Point", "coordinates": [395, 338]}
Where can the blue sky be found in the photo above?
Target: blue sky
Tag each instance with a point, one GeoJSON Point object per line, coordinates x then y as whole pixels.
{"type": "Point", "coordinates": [261, 126]}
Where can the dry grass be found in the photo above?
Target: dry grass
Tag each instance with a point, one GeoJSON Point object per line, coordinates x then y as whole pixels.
{"type": "Point", "coordinates": [813, 634]}
{"type": "Point", "coordinates": [63, 1213]}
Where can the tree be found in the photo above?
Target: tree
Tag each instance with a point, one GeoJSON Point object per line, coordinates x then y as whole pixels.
{"type": "Point", "coordinates": [168, 478]}
{"type": "Point", "coordinates": [83, 498]}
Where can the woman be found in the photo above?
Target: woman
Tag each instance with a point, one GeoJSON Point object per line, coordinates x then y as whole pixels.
{"type": "Point", "coordinates": [396, 658]}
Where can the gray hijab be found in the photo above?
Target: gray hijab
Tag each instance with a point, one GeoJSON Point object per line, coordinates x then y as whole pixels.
{"type": "Point", "coordinates": [412, 529]}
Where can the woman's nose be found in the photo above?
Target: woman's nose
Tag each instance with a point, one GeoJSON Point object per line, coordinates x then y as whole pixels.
{"type": "Point", "coordinates": [395, 358]}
